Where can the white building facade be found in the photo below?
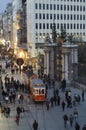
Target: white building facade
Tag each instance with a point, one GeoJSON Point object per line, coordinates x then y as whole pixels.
{"type": "Point", "coordinates": [71, 14]}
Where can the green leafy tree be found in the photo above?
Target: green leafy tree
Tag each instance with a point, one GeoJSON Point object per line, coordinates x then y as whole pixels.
{"type": "Point", "coordinates": [60, 41]}
{"type": "Point", "coordinates": [54, 33]}
{"type": "Point", "coordinates": [70, 38]}
{"type": "Point", "coordinates": [63, 34]}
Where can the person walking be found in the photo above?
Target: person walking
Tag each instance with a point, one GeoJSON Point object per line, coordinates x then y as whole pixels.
{"type": "Point", "coordinates": [84, 127]}
{"type": "Point", "coordinates": [17, 118]}
{"type": "Point", "coordinates": [63, 105]}
{"type": "Point", "coordinates": [47, 104]}
{"type": "Point", "coordinates": [71, 120]}
{"type": "Point", "coordinates": [83, 95]}
{"type": "Point", "coordinates": [18, 110]}
{"type": "Point", "coordinates": [65, 118]}
{"type": "Point", "coordinates": [58, 100]}
{"type": "Point", "coordinates": [77, 126]}
{"type": "Point", "coordinates": [35, 125]}
{"type": "Point", "coordinates": [75, 112]}
{"type": "Point", "coordinates": [7, 111]}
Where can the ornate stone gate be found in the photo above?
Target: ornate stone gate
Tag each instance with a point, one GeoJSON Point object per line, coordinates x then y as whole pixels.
{"type": "Point", "coordinates": [69, 60]}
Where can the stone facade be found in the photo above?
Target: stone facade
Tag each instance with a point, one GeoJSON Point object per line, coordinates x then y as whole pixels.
{"type": "Point", "coordinates": [69, 61]}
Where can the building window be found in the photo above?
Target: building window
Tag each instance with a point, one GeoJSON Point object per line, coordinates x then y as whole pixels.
{"type": "Point", "coordinates": [71, 7]}
{"type": "Point", "coordinates": [61, 16]}
{"type": "Point", "coordinates": [36, 25]}
{"type": "Point", "coordinates": [36, 6]}
{"type": "Point", "coordinates": [77, 17]}
{"type": "Point", "coordinates": [43, 6]}
{"type": "Point", "coordinates": [80, 8]}
{"type": "Point", "coordinates": [80, 17]}
{"type": "Point", "coordinates": [64, 16]}
{"type": "Point", "coordinates": [74, 17]}
{"type": "Point", "coordinates": [47, 6]}
{"type": "Point", "coordinates": [68, 17]}
{"type": "Point", "coordinates": [71, 17]}
{"type": "Point", "coordinates": [57, 16]}
{"type": "Point", "coordinates": [47, 26]}
{"type": "Point", "coordinates": [61, 7]}
{"type": "Point", "coordinates": [83, 17]}
{"type": "Point", "coordinates": [71, 26]}
{"type": "Point", "coordinates": [54, 16]}
{"type": "Point", "coordinates": [40, 26]}
{"type": "Point", "coordinates": [74, 8]}
{"type": "Point", "coordinates": [47, 16]}
{"type": "Point", "coordinates": [77, 26]}
{"type": "Point", "coordinates": [57, 7]}
{"type": "Point", "coordinates": [39, 6]}
{"type": "Point", "coordinates": [43, 16]}
{"type": "Point", "coordinates": [50, 6]}
{"type": "Point", "coordinates": [54, 7]}
{"type": "Point", "coordinates": [80, 26]}
{"type": "Point", "coordinates": [50, 16]}
{"type": "Point", "coordinates": [74, 26]}
{"type": "Point", "coordinates": [36, 16]}
{"type": "Point", "coordinates": [43, 25]}
{"type": "Point", "coordinates": [83, 8]}
{"type": "Point", "coordinates": [83, 26]}
{"type": "Point", "coordinates": [77, 8]}
{"type": "Point", "coordinates": [64, 7]}
{"type": "Point", "coordinates": [40, 16]}
{"type": "Point", "coordinates": [51, 26]}
{"type": "Point", "coordinates": [67, 7]}
{"type": "Point", "coordinates": [68, 26]}
{"type": "Point", "coordinates": [64, 26]}
{"type": "Point", "coordinates": [57, 26]}
{"type": "Point", "coordinates": [61, 25]}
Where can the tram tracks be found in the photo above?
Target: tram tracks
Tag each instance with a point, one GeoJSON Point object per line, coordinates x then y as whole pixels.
{"type": "Point", "coordinates": [36, 111]}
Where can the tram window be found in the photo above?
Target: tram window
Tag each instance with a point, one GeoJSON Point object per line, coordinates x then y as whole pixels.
{"type": "Point", "coordinates": [39, 91]}
{"type": "Point", "coordinates": [36, 91]}
{"type": "Point", "coordinates": [42, 91]}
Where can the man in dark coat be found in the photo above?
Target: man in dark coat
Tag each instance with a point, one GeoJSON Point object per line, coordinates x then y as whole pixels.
{"type": "Point", "coordinates": [35, 125]}
{"type": "Point", "coordinates": [18, 110]}
{"type": "Point", "coordinates": [84, 127]}
{"type": "Point", "coordinates": [63, 105]}
{"type": "Point", "coordinates": [65, 118]}
{"type": "Point", "coordinates": [77, 126]}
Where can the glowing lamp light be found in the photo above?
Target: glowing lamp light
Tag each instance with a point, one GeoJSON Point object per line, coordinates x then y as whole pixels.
{"type": "Point", "coordinates": [21, 54]}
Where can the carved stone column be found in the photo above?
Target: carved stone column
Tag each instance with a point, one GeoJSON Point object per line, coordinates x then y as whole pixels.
{"type": "Point", "coordinates": [46, 61]}
{"type": "Point", "coordinates": [66, 67]}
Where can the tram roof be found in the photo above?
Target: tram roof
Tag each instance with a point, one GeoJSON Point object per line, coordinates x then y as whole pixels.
{"type": "Point", "coordinates": [38, 83]}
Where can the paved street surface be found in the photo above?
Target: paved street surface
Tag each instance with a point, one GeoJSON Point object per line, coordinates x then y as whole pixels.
{"type": "Point", "coordinates": [47, 120]}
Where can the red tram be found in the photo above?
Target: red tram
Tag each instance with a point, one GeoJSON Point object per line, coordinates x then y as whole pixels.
{"type": "Point", "coordinates": [37, 88]}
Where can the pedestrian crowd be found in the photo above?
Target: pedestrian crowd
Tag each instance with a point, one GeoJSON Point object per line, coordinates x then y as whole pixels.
{"type": "Point", "coordinates": [70, 101]}
{"type": "Point", "coordinates": [12, 92]}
